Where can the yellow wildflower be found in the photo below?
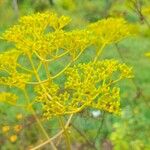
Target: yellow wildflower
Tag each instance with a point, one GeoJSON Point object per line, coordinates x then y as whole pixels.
{"type": "Point", "coordinates": [19, 116]}
{"type": "Point", "coordinates": [15, 80]}
{"type": "Point", "coordinates": [8, 60]}
{"type": "Point", "coordinates": [146, 11]}
{"type": "Point", "coordinates": [17, 128]}
{"type": "Point", "coordinates": [5, 129]}
{"type": "Point", "coordinates": [147, 54]}
{"type": "Point", "coordinates": [13, 138]}
{"type": "Point", "coordinates": [109, 30]}
{"type": "Point", "coordinates": [8, 98]}
{"type": "Point", "coordinates": [42, 36]}
{"type": "Point", "coordinates": [87, 85]}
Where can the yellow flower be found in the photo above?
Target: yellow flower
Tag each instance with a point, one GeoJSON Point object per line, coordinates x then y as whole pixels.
{"type": "Point", "coordinates": [19, 116]}
{"type": "Point", "coordinates": [42, 38]}
{"type": "Point", "coordinates": [146, 11]}
{"type": "Point", "coordinates": [87, 85]}
{"type": "Point", "coordinates": [147, 54]}
{"type": "Point", "coordinates": [8, 60]}
{"type": "Point", "coordinates": [9, 65]}
{"type": "Point", "coordinates": [109, 30]}
{"type": "Point", "coordinates": [13, 138]}
{"type": "Point", "coordinates": [8, 98]}
{"type": "Point", "coordinates": [5, 129]}
{"type": "Point", "coordinates": [17, 128]}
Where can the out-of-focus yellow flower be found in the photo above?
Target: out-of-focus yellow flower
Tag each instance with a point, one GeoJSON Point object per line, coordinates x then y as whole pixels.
{"type": "Point", "coordinates": [146, 11]}
{"type": "Point", "coordinates": [68, 5]}
{"type": "Point", "coordinates": [17, 128]}
{"type": "Point", "coordinates": [19, 116]}
{"type": "Point", "coordinates": [13, 138]}
{"type": "Point", "coordinates": [8, 98]}
{"type": "Point", "coordinates": [147, 54]}
{"type": "Point", "coordinates": [5, 129]}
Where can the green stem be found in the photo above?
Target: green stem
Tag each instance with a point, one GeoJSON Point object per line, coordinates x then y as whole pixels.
{"type": "Point", "coordinates": [66, 135]}
{"type": "Point", "coordinates": [99, 52]}
{"type": "Point", "coordinates": [67, 139]}
{"type": "Point", "coordinates": [38, 121]}
{"type": "Point", "coordinates": [23, 68]}
{"type": "Point", "coordinates": [55, 136]}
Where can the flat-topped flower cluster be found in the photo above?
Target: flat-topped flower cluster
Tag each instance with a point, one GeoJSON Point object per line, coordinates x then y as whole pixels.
{"type": "Point", "coordinates": [43, 38]}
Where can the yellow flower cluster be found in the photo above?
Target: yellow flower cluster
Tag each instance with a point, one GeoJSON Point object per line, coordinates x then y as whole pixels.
{"type": "Point", "coordinates": [35, 30]}
{"type": "Point", "coordinates": [43, 33]}
{"type": "Point", "coordinates": [8, 98]}
{"type": "Point", "coordinates": [11, 132]}
{"type": "Point", "coordinates": [16, 79]}
{"type": "Point", "coordinates": [5, 129]}
{"type": "Point", "coordinates": [87, 85]}
{"type": "Point", "coordinates": [77, 41]}
{"type": "Point", "coordinates": [42, 37]}
{"type": "Point", "coordinates": [8, 61]}
{"type": "Point", "coordinates": [8, 65]}
{"type": "Point", "coordinates": [109, 30]}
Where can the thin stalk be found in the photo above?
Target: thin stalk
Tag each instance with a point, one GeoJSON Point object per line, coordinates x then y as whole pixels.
{"type": "Point", "coordinates": [23, 68]}
{"type": "Point", "coordinates": [67, 138]}
{"type": "Point", "coordinates": [39, 66]}
{"type": "Point", "coordinates": [55, 136]}
{"type": "Point", "coordinates": [37, 83]}
{"type": "Point", "coordinates": [99, 52]}
{"type": "Point", "coordinates": [53, 59]}
{"type": "Point", "coordinates": [37, 119]}
{"type": "Point", "coordinates": [100, 127]}
{"type": "Point", "coordinates": [17, 105]}
{"type": "Point", "coordinates": [47, 71]}
{"type": "Point", "coordinates": [62, 71]}
{"type": "Point", "coordinates": [15, 7]}
{"type": "Point", "coordinates": [91, 144]}
{"type": "Point", "coordinates": [69, 64]}
{"type": "Point", "coordinates": [37, 77]}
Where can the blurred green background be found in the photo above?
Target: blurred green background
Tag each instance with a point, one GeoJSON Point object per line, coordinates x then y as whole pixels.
{"type": "Point", "coordinates": [131, 130]}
